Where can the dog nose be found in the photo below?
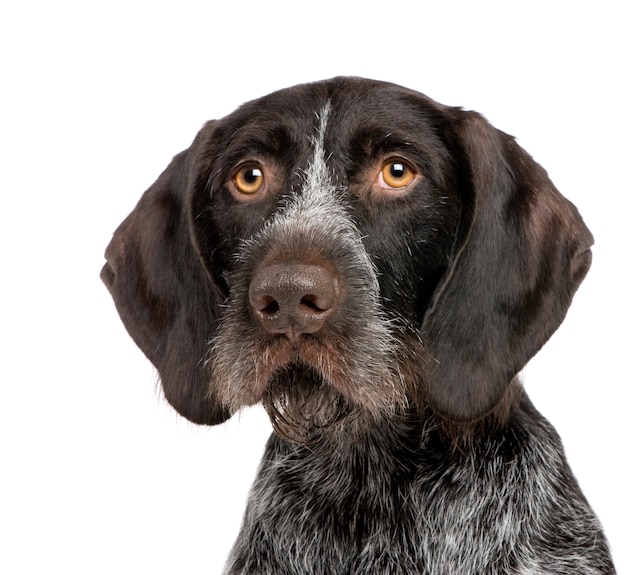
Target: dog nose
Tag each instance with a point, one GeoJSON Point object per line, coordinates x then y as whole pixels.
{"type": "Point", "coordinates": [293, 299]}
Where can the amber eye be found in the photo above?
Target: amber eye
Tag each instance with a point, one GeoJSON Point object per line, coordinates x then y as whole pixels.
{"type": "Point", "coordinates": [396, 174]}
{"type": "Point", "coordinates": [249, 179]}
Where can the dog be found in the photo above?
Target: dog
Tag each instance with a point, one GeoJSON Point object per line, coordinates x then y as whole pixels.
{"type": "Point", "coordinates": [375, 268]}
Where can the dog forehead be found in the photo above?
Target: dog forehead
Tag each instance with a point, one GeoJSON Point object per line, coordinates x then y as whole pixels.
{"type": "Point", "coordinates": [354, 109]}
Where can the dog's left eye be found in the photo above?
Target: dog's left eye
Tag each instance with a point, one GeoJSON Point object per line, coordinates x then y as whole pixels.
{"type": "Point", "coordinates": [249, 179]}
{"type": "Point", "coordinates": [395, 175]}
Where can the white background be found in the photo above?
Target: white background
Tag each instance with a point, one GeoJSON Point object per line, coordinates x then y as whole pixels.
{"type": "Point", "coordinates": [98, 475]}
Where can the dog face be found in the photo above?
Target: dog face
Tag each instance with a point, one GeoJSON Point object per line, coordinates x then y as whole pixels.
{"type": "Point", "coordinates": [345, 251]}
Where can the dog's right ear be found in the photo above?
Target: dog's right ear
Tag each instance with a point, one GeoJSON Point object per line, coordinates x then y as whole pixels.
{"type": "Point", "coordinates": [164, 295]}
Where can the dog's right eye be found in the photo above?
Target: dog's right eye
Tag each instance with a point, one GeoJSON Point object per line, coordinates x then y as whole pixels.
{"type": "Point", "coordinates": [249, 179]}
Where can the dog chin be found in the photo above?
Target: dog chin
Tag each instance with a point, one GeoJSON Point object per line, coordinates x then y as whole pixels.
{"type": "Point", "coordinates": [303, 406]}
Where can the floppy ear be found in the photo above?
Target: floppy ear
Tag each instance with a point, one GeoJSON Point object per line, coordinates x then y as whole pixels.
{"type": "Point", "coordinates": [164, 295]}
{"type": "Point", "coordinates": [521, 253]}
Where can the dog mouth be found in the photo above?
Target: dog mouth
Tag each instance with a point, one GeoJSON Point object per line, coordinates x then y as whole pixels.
{"type": "Point", "coordinates": [317, 384]}
{"type": "Point", "coordinates": [309, 361]}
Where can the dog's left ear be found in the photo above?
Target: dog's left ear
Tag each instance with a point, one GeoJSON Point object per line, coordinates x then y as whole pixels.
{"type": "Point", "coordinates": [521, 253]}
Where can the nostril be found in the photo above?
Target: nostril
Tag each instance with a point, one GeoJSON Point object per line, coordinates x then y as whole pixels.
{"type": "Point", "coordinates": [269, 306]}
{"type": "Point", "coordinates": [310, 302]}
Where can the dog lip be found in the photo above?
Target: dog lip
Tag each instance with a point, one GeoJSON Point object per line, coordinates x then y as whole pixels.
{"type": "Point", "coordinates": [283, 353]}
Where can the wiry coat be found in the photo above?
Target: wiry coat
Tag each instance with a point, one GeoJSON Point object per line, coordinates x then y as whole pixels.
{"type": "Point", "coordinates": [402, 501]}
{"type": "Point", "coordinates": [375, 268]}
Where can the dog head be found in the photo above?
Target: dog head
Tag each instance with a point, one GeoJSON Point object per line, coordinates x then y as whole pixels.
{"type": "Point", "coordinates": [346, 248]}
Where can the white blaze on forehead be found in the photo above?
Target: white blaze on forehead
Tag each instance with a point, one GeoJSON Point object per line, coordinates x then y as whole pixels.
{"type": "Point", "coordinates": [317, 202]}
{"type": "Point", "coordinates": [318, 196]}
{"type": "Point", "coordinates": [313, 212]}
{"type": "Point", "coordinates": [318, 174]}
